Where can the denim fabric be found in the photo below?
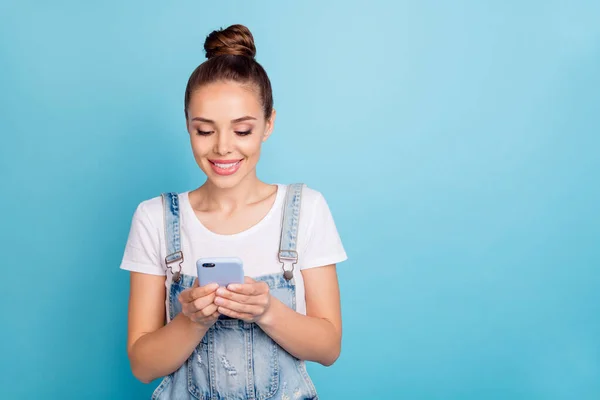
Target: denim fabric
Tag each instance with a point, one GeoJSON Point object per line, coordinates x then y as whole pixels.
{"type": "Point", "coordinates": [172, 233]}
{"type": "Point", "coordinates": [290, 223]}
{"type": "Point", "coordinates": [236, 359]}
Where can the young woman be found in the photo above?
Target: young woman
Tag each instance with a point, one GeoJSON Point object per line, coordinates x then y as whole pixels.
{"type": "Point", "coordinates": [250, 340]}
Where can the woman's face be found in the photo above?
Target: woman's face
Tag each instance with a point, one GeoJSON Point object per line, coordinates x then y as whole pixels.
{"type": "Point", "coordinates": [227, 126]}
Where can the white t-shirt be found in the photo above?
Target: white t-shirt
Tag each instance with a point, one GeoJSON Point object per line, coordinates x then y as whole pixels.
{"type": "Point", "coordinates": [319, 243]}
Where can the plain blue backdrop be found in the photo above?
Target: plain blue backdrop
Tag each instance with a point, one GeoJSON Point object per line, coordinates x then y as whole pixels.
{"type": "Point", "coordinates": [457, 144]}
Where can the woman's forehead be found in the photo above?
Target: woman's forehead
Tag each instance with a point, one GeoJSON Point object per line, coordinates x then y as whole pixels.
{"type": "Point", "coordinates": [224, 100]}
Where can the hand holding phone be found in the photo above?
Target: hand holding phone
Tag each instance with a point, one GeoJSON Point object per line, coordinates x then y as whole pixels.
{"type": "Point", "coordinates": [197, 303]}
{"type": "Point", "coordinates": [249, 302]}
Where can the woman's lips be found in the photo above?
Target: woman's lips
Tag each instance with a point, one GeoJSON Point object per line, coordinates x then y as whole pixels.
{"type": "Point", "coordinates": [225, 167]}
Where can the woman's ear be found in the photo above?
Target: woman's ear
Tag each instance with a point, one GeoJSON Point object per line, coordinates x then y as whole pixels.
{"type": "Point", "coordinates": [269, 126]}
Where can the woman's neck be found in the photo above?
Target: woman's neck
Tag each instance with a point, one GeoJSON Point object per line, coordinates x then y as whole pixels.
{"type": "Point", "coordinates": [210, 197]}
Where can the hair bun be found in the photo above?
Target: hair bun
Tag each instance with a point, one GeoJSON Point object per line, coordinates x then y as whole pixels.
{"type": "Point", "coordinates": [236, 40]}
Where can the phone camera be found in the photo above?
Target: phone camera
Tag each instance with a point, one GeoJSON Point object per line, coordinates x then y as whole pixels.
{"type": "Point", "coordinates": [208, 265]}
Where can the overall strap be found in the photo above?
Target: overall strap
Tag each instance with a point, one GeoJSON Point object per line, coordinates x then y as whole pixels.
{"type": "Point", "coordinates": [172, 232]}
{"type": "Point", "coordinates": [288, 255]}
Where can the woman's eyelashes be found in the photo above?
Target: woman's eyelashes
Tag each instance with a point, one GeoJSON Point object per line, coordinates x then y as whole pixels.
{"type": "Point", "coordinates": [239, 133]}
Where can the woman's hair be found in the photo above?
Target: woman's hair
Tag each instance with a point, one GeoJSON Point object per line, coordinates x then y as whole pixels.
{"type": "Point", "coordinates": [230, 56]}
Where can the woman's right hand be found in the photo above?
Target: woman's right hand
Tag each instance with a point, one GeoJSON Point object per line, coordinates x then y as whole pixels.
{"type": "Point", "coordinates": [197, 303]}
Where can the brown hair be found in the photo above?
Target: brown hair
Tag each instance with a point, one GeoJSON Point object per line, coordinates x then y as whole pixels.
{"type": "Point", "coordinates": [230, 57]}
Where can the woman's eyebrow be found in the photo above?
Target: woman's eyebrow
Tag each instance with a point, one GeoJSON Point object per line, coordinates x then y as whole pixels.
{"type": "Point", "coordinates": [235, 121]}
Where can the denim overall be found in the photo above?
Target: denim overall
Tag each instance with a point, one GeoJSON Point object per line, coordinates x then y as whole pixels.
{"type": "Point", "coordinates": [236, 359]}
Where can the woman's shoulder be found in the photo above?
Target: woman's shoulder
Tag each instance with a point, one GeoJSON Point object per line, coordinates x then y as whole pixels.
{"type": "Point", "coordinates": [154, 206]}
{"type": "Point", "coordinates": [311, 197]}
{"type": "Point", "coordinates": [319, 240]}
{"type": "Point", "coordinates": [313, 206]}
{"type": "Point", "coordinates": [311, 194]}
{"type": "Point", "coordinates": [150, 210]}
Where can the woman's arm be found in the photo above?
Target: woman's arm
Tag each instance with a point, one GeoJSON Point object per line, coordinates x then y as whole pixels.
{"type": "Point", "coordinates": [312, 337]}
{"type": "Point", "coordinates": [156, 349]}
{"type": "Point", "coordinates": [317, 335]}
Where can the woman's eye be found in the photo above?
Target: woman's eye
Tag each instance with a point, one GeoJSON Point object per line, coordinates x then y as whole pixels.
{"type": "Point", "coordinates": [240, 133]}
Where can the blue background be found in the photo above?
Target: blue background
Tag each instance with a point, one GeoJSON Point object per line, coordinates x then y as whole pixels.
{"type": "Point", "coordinates": [457, 144]}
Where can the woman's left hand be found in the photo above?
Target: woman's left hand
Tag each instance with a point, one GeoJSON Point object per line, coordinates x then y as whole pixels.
{"type": "Point", "coordinates": [249, 301]}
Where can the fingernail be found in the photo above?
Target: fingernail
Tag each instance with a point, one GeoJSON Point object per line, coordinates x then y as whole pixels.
{"type": "Point", "coordinates": [221, 291]}
{"type": "Point", "coordinates": [218, 300]}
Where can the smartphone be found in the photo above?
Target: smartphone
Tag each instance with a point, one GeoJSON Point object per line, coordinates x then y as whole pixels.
{"type": "Point", "coordinates": [220, 270]}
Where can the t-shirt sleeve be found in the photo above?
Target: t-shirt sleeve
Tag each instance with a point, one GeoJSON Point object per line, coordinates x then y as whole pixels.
{"type": "Point", "coordinates": [142, 251]}
{"type": "Point", "coordinates": [324, 245]}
